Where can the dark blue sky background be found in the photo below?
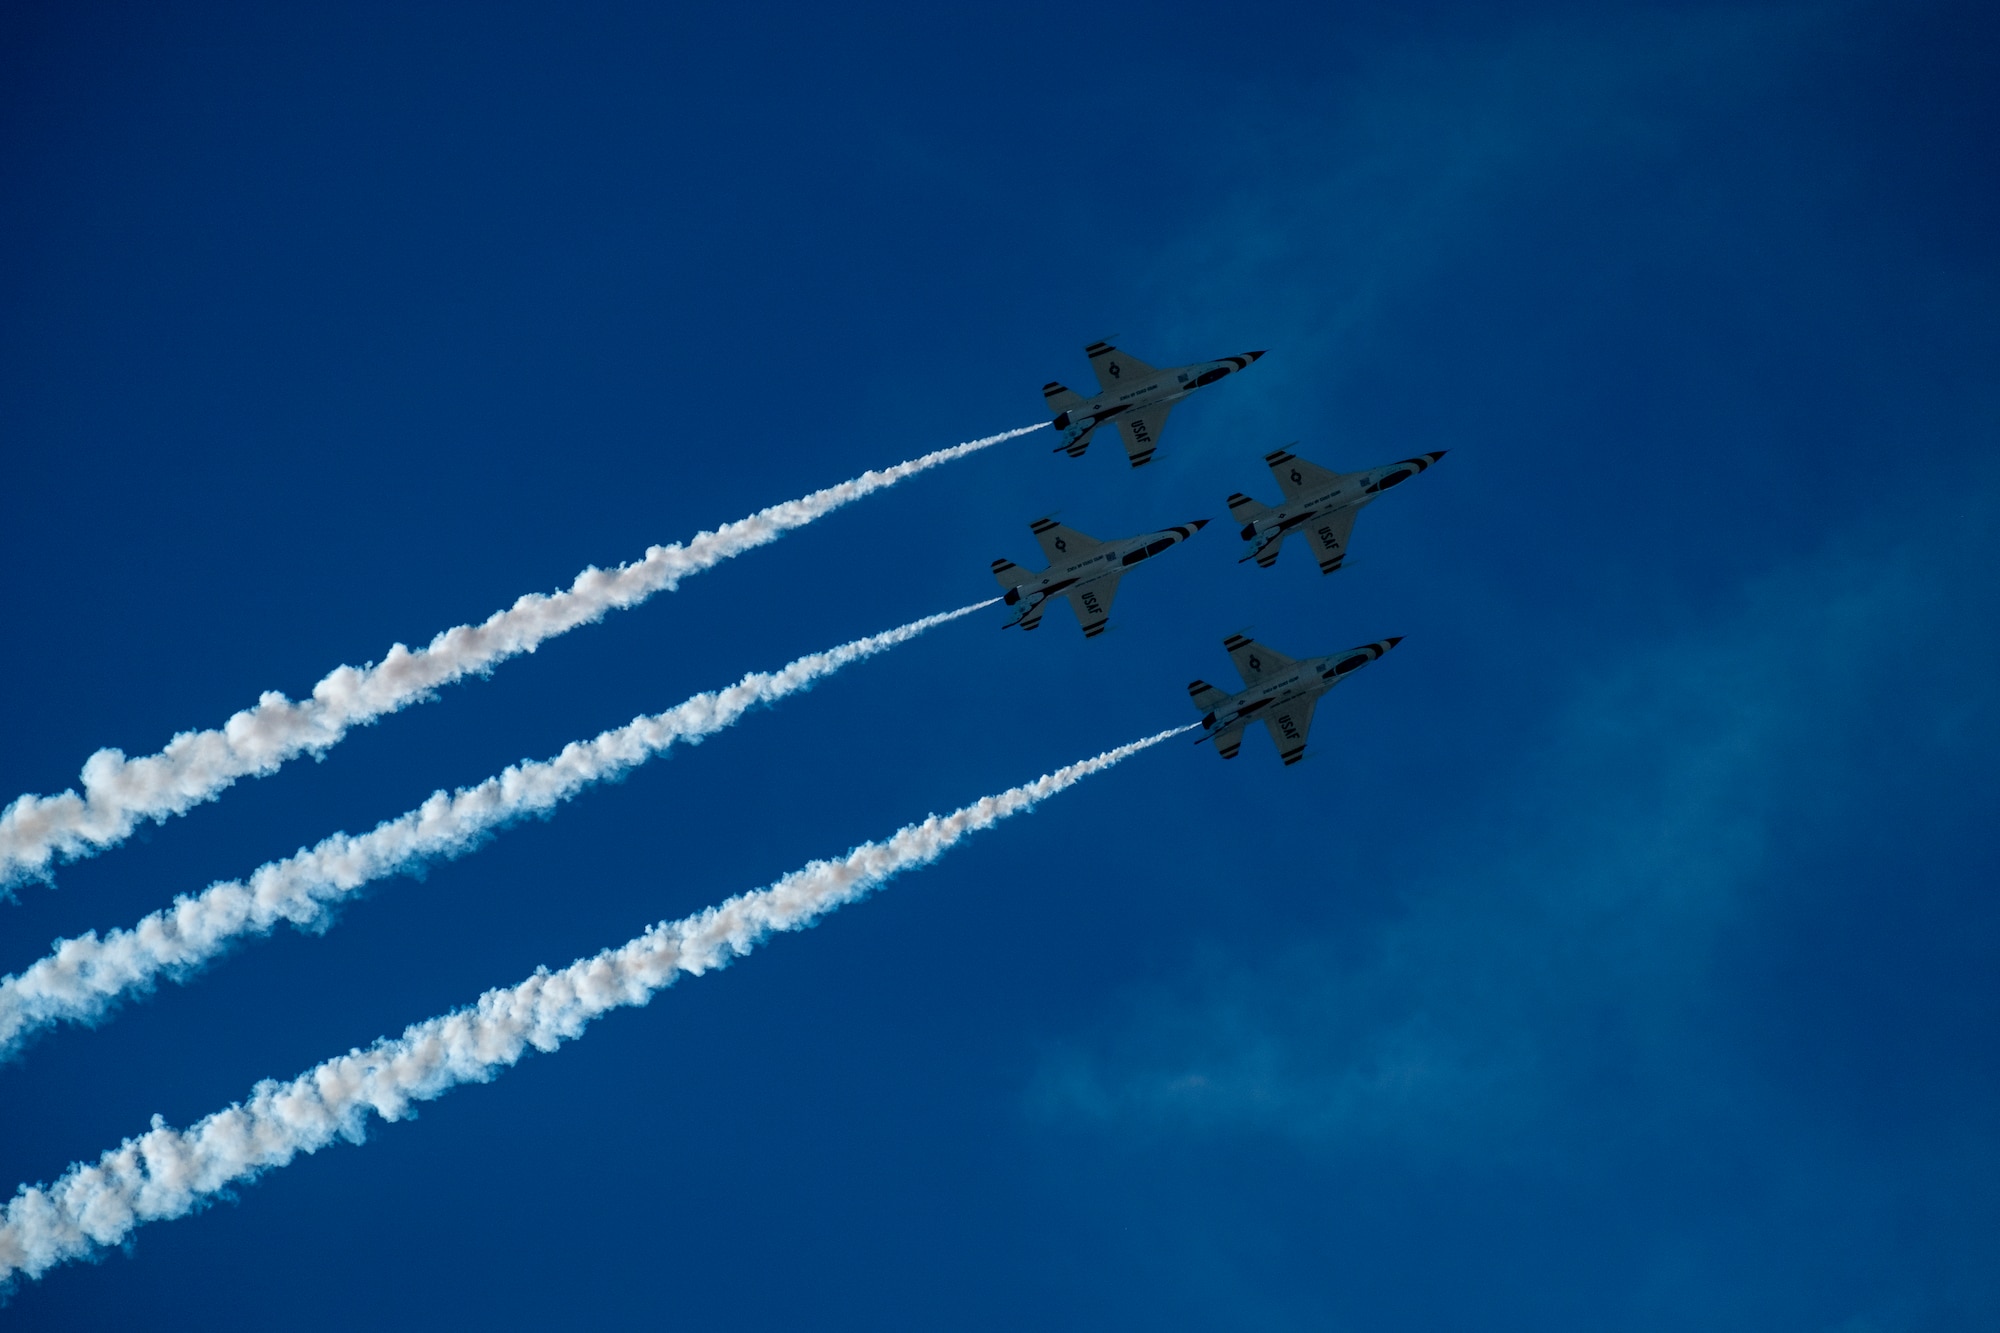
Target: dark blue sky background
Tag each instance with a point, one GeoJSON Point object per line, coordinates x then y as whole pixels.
{"type": "Point", "coordinates": [1625, 959]}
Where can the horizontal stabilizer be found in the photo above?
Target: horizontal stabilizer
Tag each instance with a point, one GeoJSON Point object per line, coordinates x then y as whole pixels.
{"type": "Point", "coordinates": [1205, 695]}
{"type": "Point", "coordinates": [1074, 448]}
{"type": "Point", "coordinates": [1244, 509]}
{"type": "Point", "coordinates": [1267, 554]}
{"type": "Point", "coordinates": [1060, 398]}
{"type": "Point", "coordinates": [1010, 574]}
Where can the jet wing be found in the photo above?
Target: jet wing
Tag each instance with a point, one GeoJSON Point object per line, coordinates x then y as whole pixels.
{"type": "Point", "coordinates": [1092, 603]}
{"type": "Point", "coordinates": [1114, 368]}
{"type": "Point", "coordinates": [1296, 477]}
{"type": "Point", "coordinates": [1289, 724]}
{"type": "Point", "coordinates": [1062, 545]}
{"type": "Point", "coordinates": [1142, 432]}
{"type": "Point", "coordinates": [1329, 533]}
{"type": "Point", "coordinates": [1253, 659]}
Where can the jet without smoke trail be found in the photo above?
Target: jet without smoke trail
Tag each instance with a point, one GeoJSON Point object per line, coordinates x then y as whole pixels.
{"type": "Point", "coordinates": [166, 1173]}
{"type": "Point", "coordinates": [81, 978]}
{"type": "Point", "coordinates": [196, 766]}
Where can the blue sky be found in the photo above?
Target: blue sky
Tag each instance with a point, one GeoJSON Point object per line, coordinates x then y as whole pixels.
{"type": "Point", "coordinates": [1623, 959]}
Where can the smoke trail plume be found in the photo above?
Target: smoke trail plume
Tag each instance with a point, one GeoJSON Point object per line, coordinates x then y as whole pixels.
{"type": "Point", "coordinates": [166, 1173]}
{"type": "Point", "coordinates": [83, 977]}
{"type": "Point", "coordinates": [196, 766]}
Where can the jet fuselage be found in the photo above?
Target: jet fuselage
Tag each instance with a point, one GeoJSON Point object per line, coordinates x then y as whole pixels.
{"type": "Point", "coordinates": [1145, 389]}
{"type": "Point", "coordinates": [1353, 490]}
{"type": "Point", "coordinates": [1107, 558]}
{"type": "Point", "coordinates": [1307, 678]}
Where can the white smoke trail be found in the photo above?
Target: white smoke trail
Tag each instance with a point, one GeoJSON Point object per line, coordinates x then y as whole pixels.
{"type": "Point", "coordinates": [84, 976]}
{"type": "Point", "coordinates": [166, 1173]}
{"type": "Point", "coordinates": [196, 766]}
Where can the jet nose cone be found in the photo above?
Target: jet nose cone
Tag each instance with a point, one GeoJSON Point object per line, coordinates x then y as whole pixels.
{"type": "Point", "coordinates": [1253, 355]}
{"type": "Point", "coordinates": [1199, 524]}
{"type": "Point", "coordinates": [1439, 454]}
{"type": "Point", "coordinates": [1393, 642]}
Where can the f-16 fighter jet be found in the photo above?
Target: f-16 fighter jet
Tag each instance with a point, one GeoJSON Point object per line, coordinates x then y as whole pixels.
{"type": "Point", "coordinates": [1134, 395]}
{"type": "Point", "coordinates": [1280, 693]}
{"type": "Point", "coordinates": [1320, 503]}
{"type": "Point", "coordinates": [1081, 568]}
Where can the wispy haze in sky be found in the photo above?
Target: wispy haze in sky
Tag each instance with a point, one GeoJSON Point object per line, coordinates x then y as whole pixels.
{"type": "Point", "coordinates": [1624, 956]}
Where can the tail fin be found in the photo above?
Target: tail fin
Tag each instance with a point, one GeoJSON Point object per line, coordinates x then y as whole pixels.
{"type": "Point", "coordinates": [1010, 574]}
{"type": "Point", "coordinates": [1059, 398]}
{"type": "Point", "coordinates": [1244, 509]}
{"type": "Point", "coordinates": [1205, 695]}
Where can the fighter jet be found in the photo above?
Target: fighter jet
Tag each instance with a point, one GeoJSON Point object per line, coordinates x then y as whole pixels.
{"type": "Point", "coordinates": [1279, 691]}
{"type": "Point", "coordinates": [1134, 395]}
{"type": "Point", "coordinates": [1320, 503]}
{"type": "Point", "coordinates": [1081, 568]}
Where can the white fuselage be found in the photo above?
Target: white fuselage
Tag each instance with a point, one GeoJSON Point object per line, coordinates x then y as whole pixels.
{"type": "Point", "coordinates": [1301, 680]}
{"type": "Point", "coordinates": [1080, 574]}
{"type": "Point", "coordinates": [1307, 679]}
{"type": "Point", "coordinates": [1352, 491]}
{"type": "Point", "coordinates": [1154, 387]}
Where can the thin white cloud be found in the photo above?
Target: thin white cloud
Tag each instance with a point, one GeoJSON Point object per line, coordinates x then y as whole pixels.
{"type": "Point", "coordinates": [1573, 924]}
